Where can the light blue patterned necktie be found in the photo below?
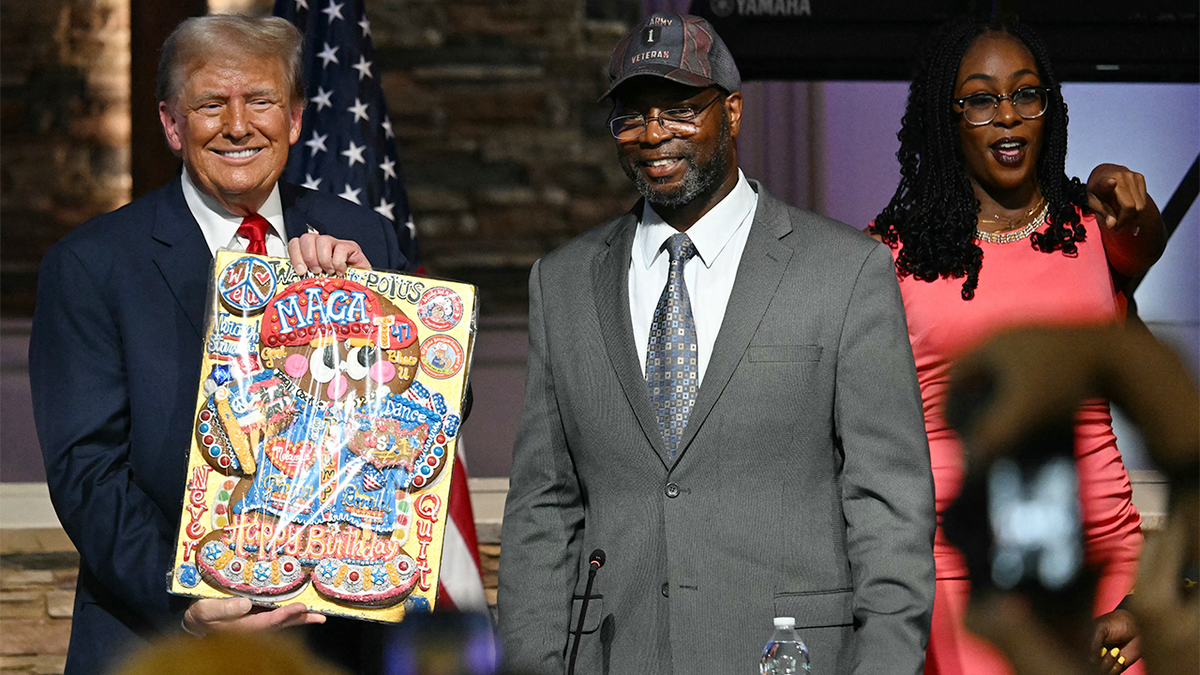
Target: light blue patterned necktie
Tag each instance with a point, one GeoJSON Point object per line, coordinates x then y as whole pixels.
{"type": "Point", "coordinates": [672, 363]}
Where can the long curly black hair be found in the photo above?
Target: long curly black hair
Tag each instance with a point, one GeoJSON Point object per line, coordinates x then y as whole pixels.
{"type": "Point", "coordinates": [932, 216]}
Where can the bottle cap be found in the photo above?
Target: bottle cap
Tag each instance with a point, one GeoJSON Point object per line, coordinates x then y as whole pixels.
{"type": "Point", "coordinates": [785, 622]}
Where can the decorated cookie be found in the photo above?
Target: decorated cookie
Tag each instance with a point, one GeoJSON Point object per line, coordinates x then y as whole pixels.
{"type": "Point", "coordinates": [223, 565]}
{"type": "Point", "coordinates": [380, 583]}
{"type": "Point", "coordinates": [335, 340]}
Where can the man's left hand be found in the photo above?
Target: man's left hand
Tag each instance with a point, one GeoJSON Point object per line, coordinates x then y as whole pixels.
{"type": "Point", "coordinates": [323, 254]}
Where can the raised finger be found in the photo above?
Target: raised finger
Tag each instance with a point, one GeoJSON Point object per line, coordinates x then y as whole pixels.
{"type": "Point", "coordinates": [309, 250]}
{"type": "Point", "coordinates": [297, 257]}
{"type": "Point", "coordinates": [340, 254]}
{"type": "Point", "coordinates": [324, 252]}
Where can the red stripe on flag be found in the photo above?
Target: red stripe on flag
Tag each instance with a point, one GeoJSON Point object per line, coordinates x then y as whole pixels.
{"type": "Point", "coordinates": [460, 512]}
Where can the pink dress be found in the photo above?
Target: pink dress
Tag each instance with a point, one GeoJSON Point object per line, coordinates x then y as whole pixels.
{"type": "Point", "coordinates": [1019, 285]}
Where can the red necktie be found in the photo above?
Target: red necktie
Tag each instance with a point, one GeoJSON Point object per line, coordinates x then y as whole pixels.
{"type": "Point", "coordinates": [254, 229]}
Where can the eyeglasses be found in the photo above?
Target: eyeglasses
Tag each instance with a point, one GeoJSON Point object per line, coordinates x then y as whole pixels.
{"type": "Point", "coordinates": [678, 121]}
{"type": "Point", "coordinates": [980, 109]}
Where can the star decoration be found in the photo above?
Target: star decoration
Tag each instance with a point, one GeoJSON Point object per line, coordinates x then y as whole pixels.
{"type": "Point", "coordinates": [366, 27]}
{"type": "Point", "coordinates": [351, 195]}
{"type": "Point", "coordinates": [312, 183]}
{"type": "Point", "coordinates": [328, 54]}
{"type": "Point", "coordinates": [334, 10]}
{"type": "Point", "coordinates": [385, 209]}
{"type": "Point", "coordinates": [317, 143]}
{"type": "Point", "coordinates": [412, 228]}
{"type": "Point", "coordinates": [359, 109]}
{"type": "Point", "coordinates": [388, 167]}
{"type": "Point", "coordinates": [363, 67]}
{"type": "Point", "coordinates": [387, 127]}
{"type": "Point", "coordinates": [323, 99]}
{"type": "Point", "coordinates": [301, 4]}
{"type": "Point", "coordinates": [355, 153]}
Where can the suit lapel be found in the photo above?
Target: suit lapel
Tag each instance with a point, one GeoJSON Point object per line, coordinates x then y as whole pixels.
{"type": "Point", "coordinates": [610, 276]}
{"type": "Point", "coordinates": [763, 262]}
{"type": "Point", "coordinates": [295, 217]}
{"type": "Point", "coordinates": [184, 260]}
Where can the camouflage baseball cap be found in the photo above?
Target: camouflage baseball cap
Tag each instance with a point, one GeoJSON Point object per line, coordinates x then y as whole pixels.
{"type": "Point", "coordinates": [679, 47]}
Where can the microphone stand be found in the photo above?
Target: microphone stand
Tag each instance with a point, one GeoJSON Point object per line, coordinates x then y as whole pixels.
{"type": "Point", "coordinates": [594, 565]}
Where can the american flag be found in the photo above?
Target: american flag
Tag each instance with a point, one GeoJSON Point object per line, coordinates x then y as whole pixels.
{"type": "Point", "coordinates": [348, 148]}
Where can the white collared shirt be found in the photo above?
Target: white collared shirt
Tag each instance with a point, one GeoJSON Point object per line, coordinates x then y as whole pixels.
{"type": "Point", "coordinates": [720, 237]}
{"type": "Point", "coordinates": [220, 227]}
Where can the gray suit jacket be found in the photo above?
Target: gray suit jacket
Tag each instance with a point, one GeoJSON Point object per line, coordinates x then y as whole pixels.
{"type": "Point", "coordinates": [801, 487]}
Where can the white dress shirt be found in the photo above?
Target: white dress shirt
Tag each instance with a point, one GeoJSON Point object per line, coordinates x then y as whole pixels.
{"type": "Point", "coordinates": [720, 237]}
{"type": "Point", "coordinates": [220, 227]}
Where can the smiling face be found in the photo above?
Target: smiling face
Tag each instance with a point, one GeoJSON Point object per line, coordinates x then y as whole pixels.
{"type": "Point", "coordinates": [233, 123]}
{"type": "Point", "coordinates": [676, 171]}
{"type": "Point", "coordinates": [1001, 156]}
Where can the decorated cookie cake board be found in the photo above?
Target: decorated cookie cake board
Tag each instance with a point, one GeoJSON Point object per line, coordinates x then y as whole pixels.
{"type": "Point", "coordinates": [325, 428]}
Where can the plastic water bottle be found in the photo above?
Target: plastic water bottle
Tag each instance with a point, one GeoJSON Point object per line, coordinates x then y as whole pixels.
{"type": "Point", "coordinates": [786, 653]}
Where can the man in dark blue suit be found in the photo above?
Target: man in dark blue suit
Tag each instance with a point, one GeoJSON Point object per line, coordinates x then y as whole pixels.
{"type": "Point", "coordinates": [117, 337]}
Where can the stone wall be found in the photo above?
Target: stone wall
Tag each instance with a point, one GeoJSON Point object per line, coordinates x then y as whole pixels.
{"type": "Point", "coordinates": [64, 128]}
{"type": "Point", "coordinates": [38, 569]}
{"type": "Point", "coordinates": [502, 145]}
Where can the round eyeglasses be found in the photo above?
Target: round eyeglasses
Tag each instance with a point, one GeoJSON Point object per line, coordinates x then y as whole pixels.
{"type": "Point", "coordinates": [980, 109]}
{"type": "Point", "coordinates": [678, 121]}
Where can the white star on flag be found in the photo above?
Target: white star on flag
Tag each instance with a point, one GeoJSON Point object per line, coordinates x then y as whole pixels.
{"type": "Point", "coordinates": [359, 109]}
{"type": "Point", "coordinates": [363, 67]}
{"type": "Point", "coordinates": [385, 209]}
{"type": "Point", "coordinates": [301, 4]}
{"type": "Point", "coordinates": [334, 10]}
{"type": "Point", "coordinates": [355, 153]}
{"type": "Point", "coordinates": [366, 26]}
{"type": "Point", "coordinates": [312, 183]}
{"type": "Point", "coordinates": [387, 127]}
{"type": "Point", "coordinates": [389, 167]}
{"type": "Point", "coordinates": [323, 99]}
{"type": "Point", "coordinates": [351, 195]}
{"type": "Point", "coordinates": [317, 143]}
{"type": "Point", "coordinates": [328, 54]}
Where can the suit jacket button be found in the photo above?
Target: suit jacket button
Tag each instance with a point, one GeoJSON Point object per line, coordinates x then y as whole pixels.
{"type": "Point", "coordinates": [666, 590]}
{"type": "Point", "coordinates": [672, 490]}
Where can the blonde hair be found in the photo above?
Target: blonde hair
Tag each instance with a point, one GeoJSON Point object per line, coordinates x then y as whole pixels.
{"type": "Point", "coordinates": [198, 39]}
{"type": "Point", "coordinates": [230, 654]}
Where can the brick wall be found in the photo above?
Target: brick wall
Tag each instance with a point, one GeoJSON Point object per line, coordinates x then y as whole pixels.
{"type": "Point", "coordinates": [64, 128]}
{"type": "Point", "coordinates": [502, 145]}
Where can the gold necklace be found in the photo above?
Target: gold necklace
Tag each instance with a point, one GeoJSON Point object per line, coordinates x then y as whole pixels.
{"type": "Point", "coordinates": [1015, 235]}
{"type": "Point", "coordinates": [1012, 222]}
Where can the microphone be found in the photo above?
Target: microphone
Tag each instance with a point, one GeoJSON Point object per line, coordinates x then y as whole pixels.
{"type": "Point", "coordinates": [595, 562]}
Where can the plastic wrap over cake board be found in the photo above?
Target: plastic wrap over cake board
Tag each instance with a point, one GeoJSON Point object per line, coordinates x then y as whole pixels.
{"type": "Point", "coordinates": [326, 420]}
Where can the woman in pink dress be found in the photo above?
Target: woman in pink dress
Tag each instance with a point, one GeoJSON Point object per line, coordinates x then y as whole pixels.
{"type": "Point", "coordinates": [989, 232]}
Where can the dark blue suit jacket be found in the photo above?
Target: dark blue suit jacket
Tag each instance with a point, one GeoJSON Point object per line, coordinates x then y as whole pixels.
{"type": "Point", "coordinates": [114, 362]}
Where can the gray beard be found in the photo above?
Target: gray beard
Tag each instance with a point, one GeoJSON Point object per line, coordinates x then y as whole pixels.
{"type": "Point", "coordinates": [698, 181]}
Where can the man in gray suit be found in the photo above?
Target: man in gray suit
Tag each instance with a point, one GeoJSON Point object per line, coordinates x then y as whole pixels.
{"type": "Point", "coordinates": [721, 396]}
